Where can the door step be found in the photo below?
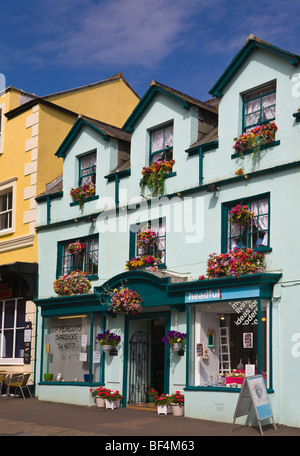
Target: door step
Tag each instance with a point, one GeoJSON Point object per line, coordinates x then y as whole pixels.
{"type": "Point", "coordinates": [145, 406]}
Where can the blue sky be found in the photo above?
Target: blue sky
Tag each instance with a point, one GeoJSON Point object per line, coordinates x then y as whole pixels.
{"type": "Point", "coordinates": [48, 47]}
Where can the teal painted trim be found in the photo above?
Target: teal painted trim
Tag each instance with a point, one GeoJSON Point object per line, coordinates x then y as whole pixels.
{"type": "Point", "coordinates": [126, 360]}
{"type": "Point", "coordinates": [144, 102]}
{"type": "Point", "coordinates": [191, 151]}
{"type": "Point", "coordinates": [120, 174]}
{"type": "Point", "coordinates": [43, 198]}
{"type": "Point", "coordinates": [79, 124]}
{"type": "Point", "coordinates": [42, 349]}
{"type": "Point", "coordinates": [167, 356]}
{"type": "Point", "coordinates": [91, 346]}
{"type": "Point", "coordinates": [200, 166]}
{"type": "Point", "coordinates": [167, 176]}
{"type": "Point", "coordinates": [271, 344]}
{"type": "Point", "coordinates": [117, 181]}
{"type": "Point", "coordinates": [224, 220]}
{"type": "Point", "coordinates": [218, 389]}
{"type": "Point", "coordinates": [48, 211]}
{"type": "Point", "coordinates": [187, 352]}
{"type": "Point", "coordinates": [86, 200]}
{"type": "Point", "coordinates": [72, 221]}
{"type": "Point", "coordinates": [242, 55]}
{"type": "Point", "coordinates": [263, 147]}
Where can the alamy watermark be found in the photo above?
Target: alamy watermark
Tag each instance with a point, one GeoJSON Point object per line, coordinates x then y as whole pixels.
{"type": "Point", "coordinates": [2, 82]}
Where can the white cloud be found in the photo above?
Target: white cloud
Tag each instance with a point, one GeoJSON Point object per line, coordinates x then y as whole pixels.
{"type": "Point", "coordinates": [127, 32]}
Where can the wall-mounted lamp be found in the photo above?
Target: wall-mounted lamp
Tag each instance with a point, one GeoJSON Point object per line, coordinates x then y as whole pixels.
{"type": "Point", "coordinates": [222, 317]}
{"type": "Point", "coordinates": [212, 188]}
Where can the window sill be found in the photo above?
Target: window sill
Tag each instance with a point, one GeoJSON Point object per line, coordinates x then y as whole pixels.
{"type": "Point", "coordinates": [222, 389]}
{"type": "Point", "coordinates": [86, 200]}
{"type": "Point", "coordinates": [170, 175]}
{"type": "Point", "coordinates": [249, 151]}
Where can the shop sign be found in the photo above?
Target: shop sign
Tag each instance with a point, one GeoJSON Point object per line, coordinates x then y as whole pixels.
{"type": "Point", "coordinates": [222, 294]}
{"type": "Point", "coordinates": [254, 393]}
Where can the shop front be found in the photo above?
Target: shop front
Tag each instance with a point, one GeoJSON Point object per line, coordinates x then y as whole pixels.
{"type": "Point", "coordinates": [230, 326]}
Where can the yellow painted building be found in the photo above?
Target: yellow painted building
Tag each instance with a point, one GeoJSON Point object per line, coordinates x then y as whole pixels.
{"type": "Point", "coordinates": [31, 130]}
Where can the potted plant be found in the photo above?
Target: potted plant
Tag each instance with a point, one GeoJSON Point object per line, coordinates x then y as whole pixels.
{"type": "Point", "coordinates": [112, 399]}
{"type": "Point", "coordinates": [48, 377]}
{"type": "Point", "coordinates": [255, 138]}
{"type": "Point", "coordinates": [177, 402]}
{"type": "Point", "coordinates": [82, 192]}
{"type": "Point", "coordinates": [125, 300]}
{"type": "Point", "coordinates": [241, 215]}
{"type": "Point", "coordinates": [154, 176]}
{"type": "Point", "coordinates": [108, 340]}
{"type": "Point", "coordinates": [99, 395]}
{"type": "Point", "coordinates": [76, 247]}
{"type": "Point", "coordinates": [145, 262]}
{"type": "Point", "coordinates": [70, 284]}
{"type": "Point", "coordinates": [175, 339]}
{"type": "Point", "coordinates": [235, 263]}
{"type": "Point", "coordinates": [151, 392]}
{"type": "Point", "coordinates": [163, 403]}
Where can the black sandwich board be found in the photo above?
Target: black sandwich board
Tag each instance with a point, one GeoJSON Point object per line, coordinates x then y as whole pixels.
{"type": "Point", "coordinates": [253, 392]}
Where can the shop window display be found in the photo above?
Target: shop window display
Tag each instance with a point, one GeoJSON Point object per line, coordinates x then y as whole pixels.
{"type": "Point", "coordinates": [228, 339]}
{"type": "Point", "coordinates": [68, 350]}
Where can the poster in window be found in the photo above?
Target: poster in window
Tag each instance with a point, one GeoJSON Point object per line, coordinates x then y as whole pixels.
{"type": "Point", "coordinates": [248, 340]}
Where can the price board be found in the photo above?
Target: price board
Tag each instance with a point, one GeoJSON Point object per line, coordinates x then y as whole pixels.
{"type": "Point", "coordinates": [254, 393]}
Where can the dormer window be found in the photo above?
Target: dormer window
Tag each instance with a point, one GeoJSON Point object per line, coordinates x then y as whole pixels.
{"type": "Point", "coordinates": [259, 106]}
{"type": "Point", "coordinates": [161, 144]}
{"type": "Point", "coordinates": [87, 169]}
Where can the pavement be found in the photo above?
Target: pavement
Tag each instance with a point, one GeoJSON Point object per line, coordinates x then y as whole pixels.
{"type": "Point", "coordinates": [33, 417]}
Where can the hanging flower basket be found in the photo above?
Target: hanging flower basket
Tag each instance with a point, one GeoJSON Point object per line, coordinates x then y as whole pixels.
{"type": "Point", "coordinates": [255, 138]}
{"type": "Point", "coordinates": [235, 263]}
{"type": "Point", "coordinates": [108, 338]}
{"type": "Point", "coordinates": [145, 262]}
{"type": "Point", "coordinates": [174, 337]}
{"type": "Point", "coordinates": [241, 215]}
{"type": "Point", "coordinates": [126, 300]}
{"type": "Point", "coordinates": [76, 247]}
{"type": "Point", "coordinates": [146, 238]}
{"type": "Point", "coordinates": [82, 192]}
{"type": "Point", "coordinates": [70, 284]}
{"type": "Point", "coordinates": [154, 175]}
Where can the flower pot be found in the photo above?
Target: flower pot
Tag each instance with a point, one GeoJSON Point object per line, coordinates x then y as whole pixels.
{"type": "Point", "coordinates": [100, 402]}
{"type": "Point", "coordinates": [176, 347]}
{"type": "Point", "coordinates": [87, 377]}
{"type": "Point", "coordinates": [164, 409]}
{"type": "Point", "coordinates": [48, 377]}
{"type": "Point", "coordinates": [177, 409]}
{"type": "Point", "coordinates": [112, 404]}
{"type": "Point", "coordinates": [106, 348]}
{"type": "Point", "coordinates": [151, 397]}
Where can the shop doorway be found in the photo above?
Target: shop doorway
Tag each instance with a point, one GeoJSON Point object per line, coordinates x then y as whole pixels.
{"type": "Point", "coordinates": [146, 358]}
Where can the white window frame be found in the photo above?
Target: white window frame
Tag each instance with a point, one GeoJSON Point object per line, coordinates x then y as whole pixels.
{"type": "Point", "coordinates": [7, 361]}
{"type": "Point", "coordinates": [5, 187]}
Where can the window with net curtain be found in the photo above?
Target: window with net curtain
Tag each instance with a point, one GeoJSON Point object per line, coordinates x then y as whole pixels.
{"type": "Point", "coordinates": [162, 144]}
{"type": "Point", "coordinates": [86, 261]}
{"type": "Point", "coordinates": [158, 248]}
{"type": "Point", "coordinates": [259, 106]}
{"type": "Point", "coordinates": [87, 169]}
{"type": "Point", "coordinates": [256, 234]}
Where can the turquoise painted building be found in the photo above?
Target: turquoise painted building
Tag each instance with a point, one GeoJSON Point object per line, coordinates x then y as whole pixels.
{"type": "Point", "coordinates": [234, 324]}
